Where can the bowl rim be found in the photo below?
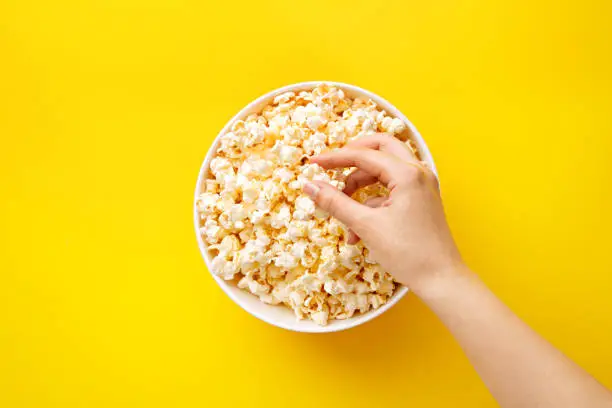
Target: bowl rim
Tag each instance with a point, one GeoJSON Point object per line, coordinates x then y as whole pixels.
{"type": "Point", "coordinates": [335, 325]}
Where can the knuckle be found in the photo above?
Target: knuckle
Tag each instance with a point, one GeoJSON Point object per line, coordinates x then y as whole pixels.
{"type": "Point", "coordinates": [413, 174]}
{"type": "Point", "coordinates": [387, 137]}
{"type": "Point", "coordinates": [351, 183]}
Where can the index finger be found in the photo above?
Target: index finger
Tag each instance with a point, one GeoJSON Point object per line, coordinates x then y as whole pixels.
{"type": "Point", "coordinates": [386, 143]}
{"type": "Point", "coordinates": [381, 165]}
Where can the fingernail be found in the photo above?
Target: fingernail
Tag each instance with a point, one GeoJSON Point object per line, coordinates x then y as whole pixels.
{"type": "Point", "coordinates": [311, 190]}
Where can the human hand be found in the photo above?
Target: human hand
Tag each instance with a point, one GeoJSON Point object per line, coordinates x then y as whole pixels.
{"type": "Point", "coordinates": [407, 232]}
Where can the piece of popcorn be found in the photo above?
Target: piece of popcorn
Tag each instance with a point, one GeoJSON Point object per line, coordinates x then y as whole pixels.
{"type": "Point", "coordinates": [228, 181]}
{"type": "Point", "coordinates": [314, 147]}
{"type": "Point", "coordinates": [315, 235]}
{"type": "Point", "coordinates": [321, 214]}
{"type": "Point", "coordinates": [320, 317]}
{"type": "Point", "coordinates": [224, 268]}
{"type": "Point", "coordinates": [296, 229]}
{"type": "Point", "coordinates": [207, 202]}
{"type": "Point", "coordinates": [372, 274]}
{"type": "Point", "coordinates": [278, 123]}
{"type": "Point", "coordinates": [299, 248]}
{"type": "Point", "coordinates": [283, 175]}
{"type": "Point", "coordinates": [296, 298]}
{"type": "Point", "coordinates": [337, 286]}
{"type": "Point", "coordinates": [212, 231]}
{"type": "Point", "coordinates": [396, 126]}
{"type": "Point", "coordinates": [315, 122]}
{"type": "Point", "coordinates": [286, 260]}
{"type": "Point", "coordinates": [262, 167]}
{"type": "Point", "coordinates": [287, 154]}
{"type": "Point", "coordinates": [220, 165]}
{"type": "Point", "coordinates": [304, 208]}
{"type": "Point", "coordinates": [296, 184]}
{"type": "Point", "coordinates": [334, 228]}
{"type": "Point", "coordinates": [308, 282]}
{"type": "Point", "coordinates": [321, 177]}
{"type": "Point", "coordinates": [305, 96]}
{"type": "Point", "coordinates": [237, 212]}
{"type": "Point", "coordinates": [361, 288]}
{"type": "Point", "coordinates": [292, 135]}
{"type": "Point", "coordinates": [328, 263]}
{"type": "Point", "coordinates": [391, 125]}
{"type": "Point", "coordinates": [308, 260]}
{"type": "Point", "coordinates": [257, 133]}
{"type": "Point", "coordinates": [224, 221]}
{"type": "Point", "coordinates": [253, 286]}
{"type": "Point", "coordinates": [211, 186]}
{"type": "Point", "coordinates": [284, 97]}
{"type": "Point", "coordinates": [376, 300]}
{"type": "Point", "coordinates": [257, 216]}
{"type": "Point", "coordinates": [386, 287]}
{"type": "Point", "coordinates": [250, 192]}
{"type": "Point", "coordinates": [228, 245]}
{"type": "Point", "coordinates": [253, 254]}
{"type": "Point", "coordinates": [369, 125]}
{"type": "Point", "coordinates": [270, 189]}
{"type": "Point", "coordinates": [263, 204]}
{"type": "Point", "coordinates": [280, 218]}
{"type": "Point", "coordinates": [348, 256]}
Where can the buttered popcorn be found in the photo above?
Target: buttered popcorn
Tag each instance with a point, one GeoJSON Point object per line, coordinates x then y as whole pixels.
{"type": "Point", "coordinates": [265, 233]}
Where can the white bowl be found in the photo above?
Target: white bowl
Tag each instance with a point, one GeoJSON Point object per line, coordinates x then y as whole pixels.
{"type": "Point", "coordinates": [282, 316]}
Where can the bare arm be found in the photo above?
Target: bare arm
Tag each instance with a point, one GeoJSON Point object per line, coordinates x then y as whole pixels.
{"type": "Point", "coordinates": [519, 367]}
{"type": "Point", "coordinates": [408, 235]}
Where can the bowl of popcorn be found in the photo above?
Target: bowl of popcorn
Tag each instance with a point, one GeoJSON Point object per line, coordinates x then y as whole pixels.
{"type": "Point", "coordinates": [266, 244]}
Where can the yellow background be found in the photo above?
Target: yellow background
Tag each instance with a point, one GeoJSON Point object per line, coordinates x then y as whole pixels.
{"type": "Point", "coordinates": [107, 109]}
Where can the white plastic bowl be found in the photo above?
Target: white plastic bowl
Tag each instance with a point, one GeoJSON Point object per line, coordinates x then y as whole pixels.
{"type": "Point", "coordinates": [282, 316]}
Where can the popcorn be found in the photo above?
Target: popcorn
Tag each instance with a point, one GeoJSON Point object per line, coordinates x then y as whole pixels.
{"type": "Point", "coordinates": [237, 213]}
{"type": "Point", "coordinates": [284, 98]}
{"type": "Point", "coordinates": [250, 191]}
{"type": "Point", "coordinates": [281, 218]}
{"type": "Point", "coordinates": [392, 125]}
{"type": "Point", "coordinates": [264, 232]}
{"type": "Point", "coordinates": [284, 175]}
{"type": "Point", "coordinates": [257, 216]}
{"type": "Point", "coordinates": [347, 256]}
{"type": "Point", "coordinates": [287, 154]}
{"type": "Point", "coordinates": [262, 167]}
{"type": "Point", "coordinates": [286, 260]}
{"type": "Point", "coordinates": [207, 202]}
{"type": "Point", "coordinates": [254, 287]}
{"type": "Point", "coordinates": [220, 165]}
{"type": "Point", "coordinates": [298, 248]}
{"type": "Point", "coordinates": [212, 231]}
{"type": "Point", "coordinates": [296, 229]}
{"type": "Point", "coordinates": [320, 318]}
{"type": "Point", "coordinates": [304, 208]}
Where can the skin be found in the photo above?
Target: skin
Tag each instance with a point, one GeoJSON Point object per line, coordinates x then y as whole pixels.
{"type": "Point", "coordinates": [407, 233]}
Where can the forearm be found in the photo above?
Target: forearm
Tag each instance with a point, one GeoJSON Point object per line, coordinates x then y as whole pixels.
{"type": "Point", "coordinates": [519, 367]}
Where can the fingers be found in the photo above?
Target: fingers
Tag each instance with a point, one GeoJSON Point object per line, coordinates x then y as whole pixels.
{"type": "Point", "coordinates": [385, 143]}
{"type": "Point", "coordinates": [373, 202]}
{"type": "Point", "coordinates": [376, 202]}
{"type": "Point", "coordinates": [352, 238]}
{"type": "Point", "coordinates": [336, 203]}
{"type": "Point", "coordinates": [381, 166]}
{"type": "Point", "coordinates": [357, 179]}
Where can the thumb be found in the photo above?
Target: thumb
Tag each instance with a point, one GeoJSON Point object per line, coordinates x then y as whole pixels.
{"type": "Point", "coordinates": [339, 205]}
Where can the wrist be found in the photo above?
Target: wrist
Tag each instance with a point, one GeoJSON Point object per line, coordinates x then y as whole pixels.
{"type": "Point", "coordinates": [436, 282]}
